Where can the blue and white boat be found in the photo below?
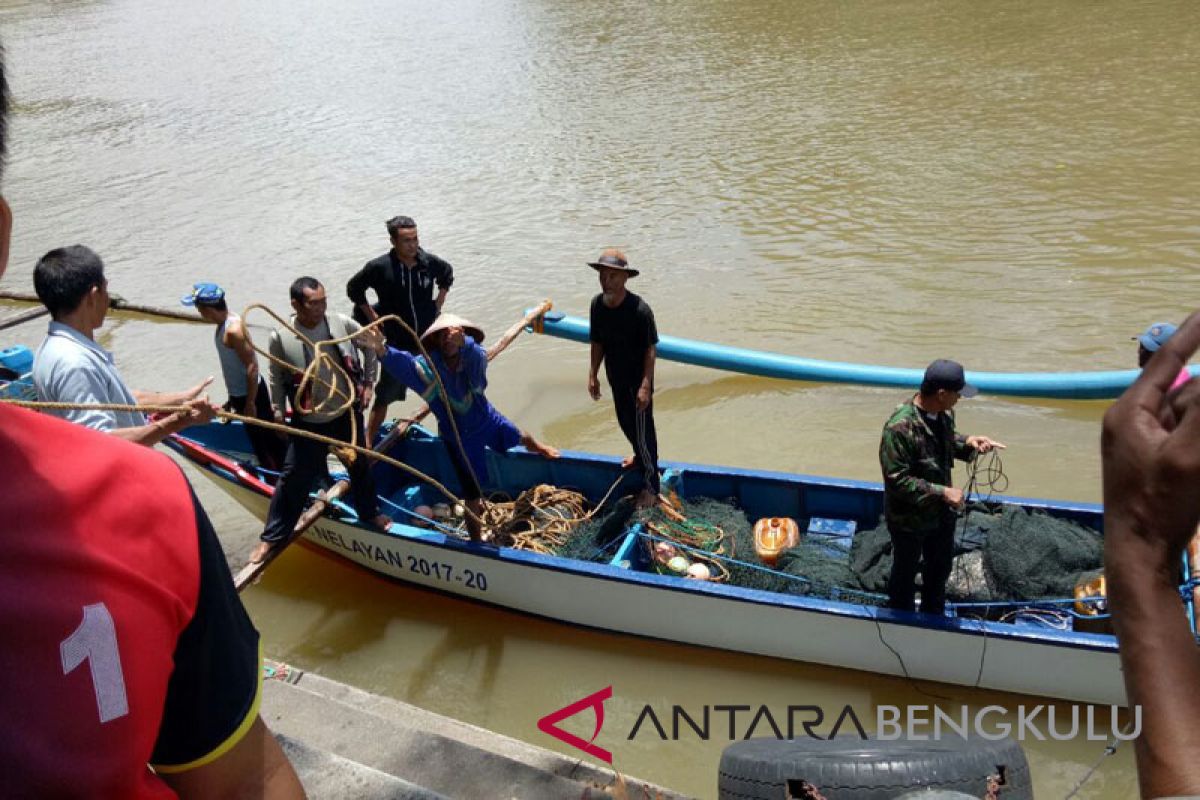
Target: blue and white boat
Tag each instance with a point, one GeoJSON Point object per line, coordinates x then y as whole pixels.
{"type": "Point", "coordinates": [619, 596]}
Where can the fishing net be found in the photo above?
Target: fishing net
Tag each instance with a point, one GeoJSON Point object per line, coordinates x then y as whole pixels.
{"type": "Point", "coordinates": [718, 534]}
{"type": "Point", "coordinates": [1004, 553]}
{"type": "Point", "coordinates": [1031, 554]}
{"type": "Point", "coordinates": [598, 538]}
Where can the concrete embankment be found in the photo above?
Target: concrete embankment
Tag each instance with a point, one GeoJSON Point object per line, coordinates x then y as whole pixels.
{"type": "Point", "coordinates": [346, 742]}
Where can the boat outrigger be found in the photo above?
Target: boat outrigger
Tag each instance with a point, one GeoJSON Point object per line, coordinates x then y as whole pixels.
{"type": "Point", "coordinates": [1099, 384]}
{"type": "Point", "coordinates": [622, 592]}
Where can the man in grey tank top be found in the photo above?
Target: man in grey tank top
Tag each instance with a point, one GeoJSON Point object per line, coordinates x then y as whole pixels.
{"type": "Point", "coordinates": [247, 389]}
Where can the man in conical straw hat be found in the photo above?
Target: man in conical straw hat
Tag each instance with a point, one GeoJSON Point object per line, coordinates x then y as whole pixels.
{"type": "Point", "coordinates": [453, 344]}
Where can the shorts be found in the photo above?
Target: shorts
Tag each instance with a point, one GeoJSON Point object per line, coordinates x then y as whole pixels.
{"type": "Point", "coordinates": [388, 390]}
{"type": "Point", "coordinates": [501, 436]}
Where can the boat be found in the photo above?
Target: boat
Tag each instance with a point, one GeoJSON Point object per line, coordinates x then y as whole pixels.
{"type": "Point", "coordinates": [623, 594]}
{"type": "Point", "coordinates": [1093, 385]}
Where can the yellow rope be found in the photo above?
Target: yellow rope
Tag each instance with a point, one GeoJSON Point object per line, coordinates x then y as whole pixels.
{"type": "Point", "coordinates": [274, 426]}
{"type": "Point", "coordinates": [310, 373]}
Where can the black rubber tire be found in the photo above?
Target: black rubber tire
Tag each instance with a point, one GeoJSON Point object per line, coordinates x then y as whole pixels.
{"type": "Point", "coordinates": [853, 769]}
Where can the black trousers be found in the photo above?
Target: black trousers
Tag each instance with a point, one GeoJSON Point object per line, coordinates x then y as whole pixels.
{"type": "Point", "coordinates": [269, 446]}
{"type": "Point", "coordinates": [638, 427]}
{"type": "Point", "coordinates": [304, 466]}
{"type": "Point", "coordinates": [931, 553]}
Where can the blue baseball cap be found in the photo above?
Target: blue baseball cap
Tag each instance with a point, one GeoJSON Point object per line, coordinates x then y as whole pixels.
{"type": "Point", "coordinates": [1155, 336]}
{"type": "Point", "coordinates": [203, 294]}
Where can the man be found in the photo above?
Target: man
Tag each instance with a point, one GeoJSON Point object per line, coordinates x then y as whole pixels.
{"type": "Point", "coordinates": [124, 641]}
{"type": "Point", "coordinates": [1149, 343]}
{"type": "Point", "coordinates": [623, 336]}
{"type": "Point", "coordinates": [1150, 451]}
{"type": "Point", "coordinates": [247, 389]}
{"type": "Point", "coordinates": [916, 453]}
{"type": "Point", "coordinates": [320, 407]}
{"type": "Point", "coordinates": [403, 279]}
{"type": "Point", "coordinates": [70, 367]}
{"type": "Point", "coordinates": [453, 345]}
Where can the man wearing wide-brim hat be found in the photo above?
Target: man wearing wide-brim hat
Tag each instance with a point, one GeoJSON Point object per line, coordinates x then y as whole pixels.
{"type": "Point", "coordinates": [625, 338]}
{"type": "Point", "coordinates": [917, 453]}
{"type": "Point", "coordinates": [453, 345]}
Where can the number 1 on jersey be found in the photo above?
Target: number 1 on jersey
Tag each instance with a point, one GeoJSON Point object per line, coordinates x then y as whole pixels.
{"type": "Point", "coordinates": [95, 641]}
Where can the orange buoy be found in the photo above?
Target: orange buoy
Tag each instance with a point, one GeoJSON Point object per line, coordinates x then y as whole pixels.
{"type": "Point", "coordinates": [773, 535]}
{"type": "Point", "coordinates": [1096, 587]}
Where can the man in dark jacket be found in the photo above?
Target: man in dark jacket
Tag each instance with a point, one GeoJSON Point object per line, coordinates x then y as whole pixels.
{"type": "Point", "coordinates": [916, 453]}
{"type": "Point", "coordinates": [403, 279]}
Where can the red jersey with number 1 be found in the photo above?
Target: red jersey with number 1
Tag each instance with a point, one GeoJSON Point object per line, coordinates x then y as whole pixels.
{"type": "Point", "coordinates": [122, 641]}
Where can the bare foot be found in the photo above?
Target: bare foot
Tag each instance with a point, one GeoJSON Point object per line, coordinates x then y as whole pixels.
{"type": "Point", "coordinates": [260, 553]}
{"type": "Point", "coordinates": [382, 521]}
{"type": "Point", "coordinates": [646, 499]}
{"type": "Point", "coordinates": [628, 461]}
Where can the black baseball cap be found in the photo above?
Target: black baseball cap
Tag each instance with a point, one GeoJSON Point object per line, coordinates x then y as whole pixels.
{"type": "Point", "coordinates": [946, 374]}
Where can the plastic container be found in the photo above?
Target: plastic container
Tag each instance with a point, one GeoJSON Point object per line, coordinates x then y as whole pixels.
{"type": "Point", "coordinates": [773, 535]}
{"type": "Point", "coordinates": [18, 358]}
{"type": "Point", "coordinates": [1088, 589]}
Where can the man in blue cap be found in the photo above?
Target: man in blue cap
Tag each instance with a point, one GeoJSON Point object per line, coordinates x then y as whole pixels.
{"type": "Point", "coordinates": [1149, 343]}
{"type": "Point", "coordinates": [247, 388]}
{"type": "Point", "coordinates": [916, 453]}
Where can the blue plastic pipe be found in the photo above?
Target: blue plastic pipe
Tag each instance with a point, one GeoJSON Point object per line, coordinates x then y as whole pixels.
{"type": "Point", "coordinates": [1065, 385]}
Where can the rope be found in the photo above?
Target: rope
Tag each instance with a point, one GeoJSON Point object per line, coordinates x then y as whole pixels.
{"type": "Point", "coordinates": [311, 373]}
{"type": "Point", "coordinates": [515, 520]}
{"type": "Point", "coordinates": [275, 426]}
{"type": "Point", "coordinates": [1108, 751]}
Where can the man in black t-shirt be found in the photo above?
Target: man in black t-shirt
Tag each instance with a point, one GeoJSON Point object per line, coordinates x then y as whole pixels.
{"type": "Point", "coordinates": [403, 279]}
{"type": "Point", "coordinates": [623, 336]}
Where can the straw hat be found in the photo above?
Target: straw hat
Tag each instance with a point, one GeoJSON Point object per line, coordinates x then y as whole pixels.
{"type": "Point", "coordinates": [445, 321]}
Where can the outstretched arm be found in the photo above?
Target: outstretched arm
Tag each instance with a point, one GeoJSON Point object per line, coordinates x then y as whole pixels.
{"type": "Point", "coordinates": [171, 398]}
{"type": "Point", "coordinates": [1150, 448]}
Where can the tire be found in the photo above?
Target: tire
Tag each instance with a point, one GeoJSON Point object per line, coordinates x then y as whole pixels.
{"type": "Point", "coordinates": [854, 769]}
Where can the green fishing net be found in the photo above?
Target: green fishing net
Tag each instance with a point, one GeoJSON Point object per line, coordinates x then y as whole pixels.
{"type": "Point", "coordinates": [1004, 553]}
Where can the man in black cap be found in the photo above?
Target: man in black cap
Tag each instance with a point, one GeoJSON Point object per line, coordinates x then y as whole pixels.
{"type": "Point", "coordinates": [624, 337]}
{"type": "Point", "coordinates": [404, 279]}
{"type": "Point", "coordinates": [916, 453]}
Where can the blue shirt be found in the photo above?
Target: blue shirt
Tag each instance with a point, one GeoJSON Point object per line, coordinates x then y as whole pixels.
{"type": "Point", "coordinates": [71, 368]}
{"type": "Point", "coordinates": [473, 413]}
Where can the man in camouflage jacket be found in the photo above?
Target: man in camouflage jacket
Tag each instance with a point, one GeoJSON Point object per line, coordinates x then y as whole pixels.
{"type": "Point", "coordinates": [916, 454]}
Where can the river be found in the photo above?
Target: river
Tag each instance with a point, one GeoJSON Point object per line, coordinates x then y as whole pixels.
{"type": "Point", "coordinates": [1008, 184]}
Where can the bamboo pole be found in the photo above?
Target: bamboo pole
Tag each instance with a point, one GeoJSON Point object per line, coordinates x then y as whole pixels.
{"type": "Point", "coordinates": [24, 316]}
{"type": "Point", "coordinates": [116, 303]}
{"type": "Point", "coordinates": [250, 573]}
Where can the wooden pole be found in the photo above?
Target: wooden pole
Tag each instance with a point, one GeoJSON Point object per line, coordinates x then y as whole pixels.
{"type": "Point", "coordinates": [24, 316]}
{"type": "Point", "coordinates": [250, 573]}
{"type": "Point", "coordinates": [116, 303]}
{"type": "Point", "coordinates": [496, 349]}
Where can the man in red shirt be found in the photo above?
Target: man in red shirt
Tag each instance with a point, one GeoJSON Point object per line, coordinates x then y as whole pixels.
{"type": "Point", "coordinates": [131, 669]}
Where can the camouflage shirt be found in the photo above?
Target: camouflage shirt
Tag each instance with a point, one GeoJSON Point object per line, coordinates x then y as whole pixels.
{"type": "Point", "coordinates": [916, 454]}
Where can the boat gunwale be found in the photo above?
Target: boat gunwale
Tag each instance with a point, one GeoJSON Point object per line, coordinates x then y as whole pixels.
{"type": "Point", "coordinates": [975, 627]}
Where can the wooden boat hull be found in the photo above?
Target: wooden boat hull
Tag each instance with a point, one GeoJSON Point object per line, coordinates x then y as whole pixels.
{"type": "Point", "coordinates": [1009, 657]}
